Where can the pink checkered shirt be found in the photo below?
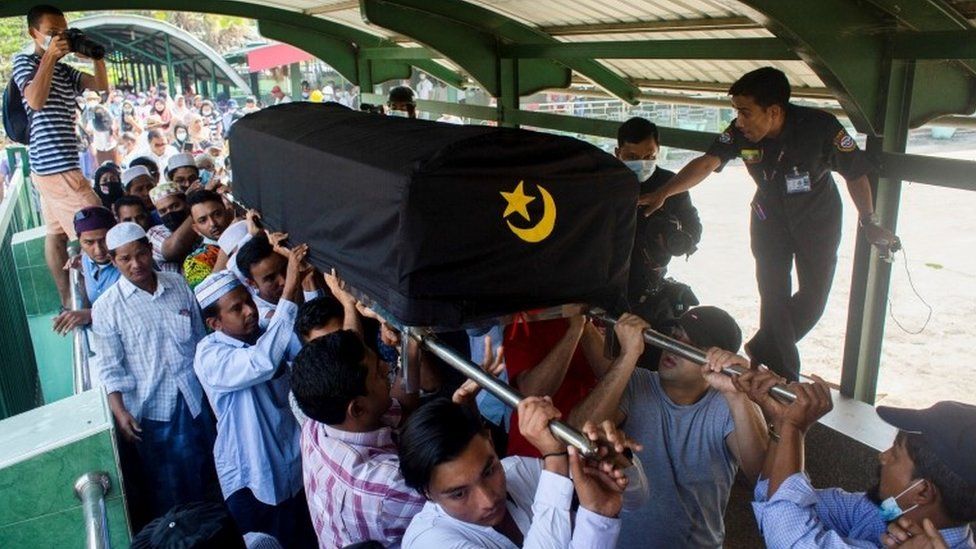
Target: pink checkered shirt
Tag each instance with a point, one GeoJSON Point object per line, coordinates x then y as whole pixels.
{"type": "Point", "coordinates": [353, 486]}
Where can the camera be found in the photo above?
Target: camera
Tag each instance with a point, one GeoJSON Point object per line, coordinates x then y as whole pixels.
{"type": "Point", "coordinates": [78, 42]}
{"type": "Point", "coordinates": [674, 239]}
{"type": "Point", "coordinates": [370, 108]}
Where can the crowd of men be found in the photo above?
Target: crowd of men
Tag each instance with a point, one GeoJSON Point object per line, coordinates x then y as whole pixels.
{"type": "Point", "coordinates": [254, 394]}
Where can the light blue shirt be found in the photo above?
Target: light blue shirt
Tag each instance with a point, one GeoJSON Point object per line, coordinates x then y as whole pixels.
{"type": "Point", "coordinates": [258, 438]}
{"type": "Point", "coordinates": [98, 278]}
{"type": "Point", "coordinates": [798, 515]}
{"type": "Point", "coordinates": [490, 407]}
{"type": "Point", "coordinates": [144, 345]}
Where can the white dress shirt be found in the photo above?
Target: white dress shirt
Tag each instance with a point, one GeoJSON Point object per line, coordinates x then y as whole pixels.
{"type": "Point", "coordinates": [539, 503]}
{"type": "Point", "coordinates": [144, 345]}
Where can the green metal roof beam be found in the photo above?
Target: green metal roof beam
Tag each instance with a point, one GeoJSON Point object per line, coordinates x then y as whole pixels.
{"type": "Point", "coordinates": [829, 35]}
{"type": "Point", "coordinates": [935, 45]}
{"type": "Point", "coordinates": [724, 48]}
{"type": "Point", "coordinates": [133, 52]}
{"type": "Point", "coordinates": [316, 25]}
{"type": "Point", "coordinates": [940, 87]}
{"type": "Point", "coordinates": [470, 36]}
{"type": "Point", "coordinates": [399, 53]}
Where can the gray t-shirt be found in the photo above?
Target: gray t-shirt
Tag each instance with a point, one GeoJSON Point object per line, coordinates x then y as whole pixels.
{"type": "Point", "coordinates": [688, 466]}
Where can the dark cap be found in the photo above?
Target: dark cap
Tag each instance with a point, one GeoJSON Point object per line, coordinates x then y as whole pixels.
{"type": "Point", "coordinates": [711, 327]}
{"type": "Point", "coordinates": [948, 428]}
{"type": "Point", "coordinates": [93, 218]}
{"type": "Point", "coordinates": [191, 526]}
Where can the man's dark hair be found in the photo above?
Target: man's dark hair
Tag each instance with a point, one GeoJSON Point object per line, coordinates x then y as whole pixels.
{"type": "Point", "coordinates": [129, 200]}
{"type": "Point", "coordinates": [35, 14]}
{"type": "Point", "coordinates": [155, 133]}
{"type": "Point", "coordinates": [635, 130]}
{"type": "Point", "coordinates": [958, 496]}
{"type": "Point", "coordinates": [149, 163]}
{"type": "Point", "coordinates": [253, 251]}
{"type": "Point", "coordinates": [201, 196]}
{"type": "Point", "coordinates": [400, 94]}
{"type": "Point", "coordinates": [313, 314]}
{"type": "Point", "coordinates": [437, 432]}
{"type": "Point", "coordinates": [766, 86]}
{"type": "Point", "coordinates": [328, 374]}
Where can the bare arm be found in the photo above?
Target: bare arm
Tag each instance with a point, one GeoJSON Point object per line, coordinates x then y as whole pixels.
{"type": "Point", "coordinates": [39, 88]}
{"type": "Point", "coordinates": [860, 189]}
{"type": "Point", "coordinates": [592, 344]}
{"type": "Point", "coordinates": [603, 402]}
{"type": "Point", "coordinates": [181, 242]}
{"type": "Point", "coordinates": [544, 378]}
{"type": "Point", "coordinates": [750, 439]}
{"type": "Point", "coordinates": [692, 174]}
{"type": "Point", "coordinates": [98, 82]}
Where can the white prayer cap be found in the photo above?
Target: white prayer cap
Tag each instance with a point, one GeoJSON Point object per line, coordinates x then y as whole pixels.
{"type": "Point", "coordinates": [122, 234]}
{"type": "Point", "coordinates": [182, 160]}
{"type": "Point", "coordinates": [134, 172]}
{"type": "Point", "coordinates": [232, 236]}
{"type": "Point", "coordinates": [214, 287]}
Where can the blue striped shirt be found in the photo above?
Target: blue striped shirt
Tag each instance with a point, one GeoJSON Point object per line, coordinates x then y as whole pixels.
{"type": "Point", "coordinates": [800, 516]}
{"type": "Point", "coordinates": [53, 142]}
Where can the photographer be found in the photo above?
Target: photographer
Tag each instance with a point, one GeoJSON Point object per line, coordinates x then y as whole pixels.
{"type": "Point", "coordinates": [49, 88]}
{"type": "Point", "coordinates": [672, 231]}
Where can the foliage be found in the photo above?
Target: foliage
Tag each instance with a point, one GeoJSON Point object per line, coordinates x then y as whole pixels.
{"type": "Point", "coordinates": [221, 32]}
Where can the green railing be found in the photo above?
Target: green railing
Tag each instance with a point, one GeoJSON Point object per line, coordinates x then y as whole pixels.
{"type": "Point", "coordinates": [19, 383]}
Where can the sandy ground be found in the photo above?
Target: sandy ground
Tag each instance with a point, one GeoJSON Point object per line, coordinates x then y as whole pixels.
{"type": "Point", "coordinates": [938, 229]}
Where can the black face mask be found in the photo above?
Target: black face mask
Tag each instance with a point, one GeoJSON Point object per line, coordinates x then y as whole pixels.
{"type": "Point", "coordinates": [173, 220]}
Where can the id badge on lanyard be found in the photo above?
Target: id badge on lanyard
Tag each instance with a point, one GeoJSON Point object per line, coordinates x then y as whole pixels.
{"type": "Point", "coordinates": [798, 182]}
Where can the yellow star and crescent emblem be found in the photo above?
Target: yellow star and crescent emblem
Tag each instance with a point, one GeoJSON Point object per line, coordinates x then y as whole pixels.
{"type": "Point", "coordinates": [518, 203]}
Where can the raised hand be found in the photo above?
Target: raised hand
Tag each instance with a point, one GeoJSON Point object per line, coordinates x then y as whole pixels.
{"type": "Point", "coordinates": [491, 364]}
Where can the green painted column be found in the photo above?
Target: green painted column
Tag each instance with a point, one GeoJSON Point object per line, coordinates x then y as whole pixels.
{"type": "Point", "coordinates": [170, 78]}
{"type": "Point", "coordinates": [508, 101]}
{"type": "Point", "coordinates": [871, 277]}
{"type": "Point", "coordinates": [295, 78]}
{"type": "Point", "coordinates": [213, 83]}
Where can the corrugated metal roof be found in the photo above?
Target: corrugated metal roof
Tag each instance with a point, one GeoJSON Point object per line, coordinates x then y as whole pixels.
{"type": "Point", "coordinates": [561, 13]}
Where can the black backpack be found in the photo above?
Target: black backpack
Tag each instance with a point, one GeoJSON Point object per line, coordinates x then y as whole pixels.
{"type": "Point", "coordinates": [16, 124]}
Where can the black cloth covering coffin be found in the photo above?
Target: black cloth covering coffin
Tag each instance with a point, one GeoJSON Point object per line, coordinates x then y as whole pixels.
{"type": "Point", "coordinates": [409, 212]}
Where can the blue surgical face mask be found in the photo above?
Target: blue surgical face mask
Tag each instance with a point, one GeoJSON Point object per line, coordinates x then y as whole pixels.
{"type": "Point", "coordinates": [890, 510]}
{"type": "Point", "coordinates": [205, 176]}
{"type": "Point", "coordinates": [398, 113]}
{"type": "Point", "coordinates": [643, 168]}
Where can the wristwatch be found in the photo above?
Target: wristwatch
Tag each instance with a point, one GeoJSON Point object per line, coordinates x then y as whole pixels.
{"type": "Point", "coordinates": [870, 219]}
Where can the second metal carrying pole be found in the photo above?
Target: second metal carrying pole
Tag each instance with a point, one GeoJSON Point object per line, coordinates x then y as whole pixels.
{"type": "Point", "coordinates": [690, 352]}
{"type": "Point", "coordinates": [82, 350]}
{"type": "Point", "coordinates": [498, 388]}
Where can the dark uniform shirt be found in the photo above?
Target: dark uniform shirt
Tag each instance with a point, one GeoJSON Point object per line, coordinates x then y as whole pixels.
{"type": "Point", "coordinates": [811, 143]}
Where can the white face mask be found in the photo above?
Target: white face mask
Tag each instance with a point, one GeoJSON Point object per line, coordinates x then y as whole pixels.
{"type": "Point", "coordinates": [643, 168]}
{"type": "Point", "coordinates": [47, 42]}
{"type": "Point", "coordinates": [398, 113]}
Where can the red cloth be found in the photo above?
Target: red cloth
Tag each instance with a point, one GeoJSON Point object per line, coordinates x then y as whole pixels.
{"type": "Point", "coordinates": [524, 350]}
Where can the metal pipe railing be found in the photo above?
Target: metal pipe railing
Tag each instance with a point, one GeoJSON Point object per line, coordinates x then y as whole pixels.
{"type": "Point", "coordinates": [505, 393]}
{"type": "Point", "coordinates": [81, 371]}
{"type": "Point", "coordinates": [91, 488]}
{"type": "Point", "coordinates": [690, 352]}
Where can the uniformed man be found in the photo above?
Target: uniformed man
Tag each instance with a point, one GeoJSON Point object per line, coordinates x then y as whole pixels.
{"type": "Point", "coordinates": [796, 213]}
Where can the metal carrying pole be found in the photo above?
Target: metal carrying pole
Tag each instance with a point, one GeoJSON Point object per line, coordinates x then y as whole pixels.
{"type": "Point", "coordinates": [82, 351]}
{"type": "Point", "coordinates": [498, 388]}
{"type": "Point", "coordinates": [690, 352]}
{"type": "Point", "coordinates": [91, 489]}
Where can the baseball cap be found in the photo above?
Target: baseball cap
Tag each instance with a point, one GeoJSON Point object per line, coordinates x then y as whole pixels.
{"type": "Point", "coordinates": [191, 526]}
{"type": "Point", "coordinates": [708, 326]}
{"type": "Point", "coordinates": [947, 427]}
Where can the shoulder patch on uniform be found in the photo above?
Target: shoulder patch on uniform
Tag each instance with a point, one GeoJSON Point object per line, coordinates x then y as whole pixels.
{"type": "Point", "coordinates": [844, 142]}
{"type": "Point", "coordinates": [725, 138]}
{"type": "Point", "coordinates": [751, 156]}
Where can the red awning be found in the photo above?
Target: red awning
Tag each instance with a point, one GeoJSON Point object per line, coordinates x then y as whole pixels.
{"type": "Point", "coordinates": [274, 56]}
